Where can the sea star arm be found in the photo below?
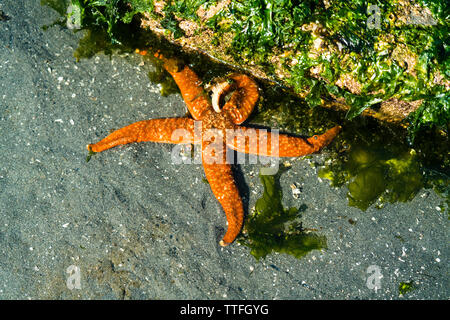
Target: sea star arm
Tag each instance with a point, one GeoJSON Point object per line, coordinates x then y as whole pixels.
{"type": "Point", "coordinates": [190, 86]}
{"type": "Point", "coordinates": [168, 130]}
{"type": "Point", "coordinates": [262, 142]}
{"type": "Point", "coordinates": [243, 100]}
{"type": "Point", "coordinates": [221, 181]}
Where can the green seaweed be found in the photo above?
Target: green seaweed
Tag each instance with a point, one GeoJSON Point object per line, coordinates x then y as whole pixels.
{"type": "Point", "coordinates": [433, 110]}
{"type": "Point", "coordinates": [405, 287]}
{"type": "Point", "coordinates": [373, 175]}
{"type": "Point", "coordinates": [185, 9]}
{"type": "Point", "coordinates": [93, 42]}
{"type": "Point", "coordinates": [262, 27]}
{"type": "Point", "coordinates": [59, 6]}
{"type": "Point", "coordinates": [90, 154]}
{"type": "Point", "coordinates": [110, 14]}
{"type": "Point", "coordinates": [273, 228]}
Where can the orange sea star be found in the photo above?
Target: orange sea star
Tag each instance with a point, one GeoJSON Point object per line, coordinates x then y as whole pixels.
{"type": "Point", "coordinates": [244, 95]}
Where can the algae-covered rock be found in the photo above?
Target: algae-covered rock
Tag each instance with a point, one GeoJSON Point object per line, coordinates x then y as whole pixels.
{"type": "Point", "coordinates": [382, 59]}
{"type": "Point", "coordinates": [386, 59]}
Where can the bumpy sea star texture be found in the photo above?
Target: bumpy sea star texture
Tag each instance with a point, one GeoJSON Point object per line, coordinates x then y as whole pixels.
{"type": "Point", "coordinates": [216, 125]}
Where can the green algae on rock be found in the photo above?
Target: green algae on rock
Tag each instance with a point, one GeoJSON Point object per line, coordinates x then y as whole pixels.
{"type": "Point", "coordinates": [387, 59]}
{"type": "Point", "coordinates": [328, 51]}
{"type": "Point", "coordinates": [405, 287]}
{"type": "Point", "coordinates": [273, 228]}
